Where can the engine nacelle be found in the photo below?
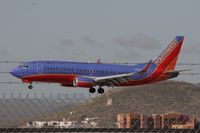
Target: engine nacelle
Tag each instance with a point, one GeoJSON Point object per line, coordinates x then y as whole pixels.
{"type": "Point", "coordinates": [83, 82]}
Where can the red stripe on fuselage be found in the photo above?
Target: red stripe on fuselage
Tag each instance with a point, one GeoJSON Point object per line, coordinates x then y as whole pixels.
{"type": "Point", "coordinates": [56, 78]}
{"type": "Point", "coordinates": [63, 79]}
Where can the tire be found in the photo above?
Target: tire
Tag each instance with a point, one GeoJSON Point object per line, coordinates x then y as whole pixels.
{"type": "Point", "coordinates": [92, 90]}
{"type": "Point", "coordinates": [100, 90]}
{"type": "Point", "coordinates": [30, 87]}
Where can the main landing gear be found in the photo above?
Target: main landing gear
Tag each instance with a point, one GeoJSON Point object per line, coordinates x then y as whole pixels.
{"type": "Point", "coordinates": [30, 86]}
{"type": "Point", "coordinates": [100, 90]}
{"type": "Point", "coordinates": [93, 90]}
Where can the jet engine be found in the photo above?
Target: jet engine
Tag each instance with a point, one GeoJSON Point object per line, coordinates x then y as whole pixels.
{"type": "Point", "coordinates": [83, 82]}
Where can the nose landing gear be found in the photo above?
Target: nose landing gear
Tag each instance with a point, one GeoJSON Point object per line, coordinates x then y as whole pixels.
{"type": "Point", "coordinates": [30, 86]}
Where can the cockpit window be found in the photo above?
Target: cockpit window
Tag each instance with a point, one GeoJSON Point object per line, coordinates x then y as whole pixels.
{"type": "Point", "coordinates": [24, 66]}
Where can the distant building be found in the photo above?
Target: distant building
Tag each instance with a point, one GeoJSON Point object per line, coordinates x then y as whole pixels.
{"type": "Point", "coordinates": [122, 121]}
{"type": "Point", "coordinates": [91, 122]}
{"type": "Point", "coordinates": [188, 125]}
{"type": "Point", "coordinates": [128, 120]}
{"type": "Point", "coordinates": [173, 119]}
{"type": "Point", "coordinates": [87, 122]}
{"type": "Point", "coordinates": [155, 121]}
{"type": "Point", "coordinates": [143, 121]}
{"type": "Point", "coordinates": [56, 124]}
{"type": "Point", "coordinates": [36, 124]}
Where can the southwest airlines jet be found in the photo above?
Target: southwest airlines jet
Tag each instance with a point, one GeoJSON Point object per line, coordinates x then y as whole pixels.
{"type": "Point", "coordinates": [89, 75]}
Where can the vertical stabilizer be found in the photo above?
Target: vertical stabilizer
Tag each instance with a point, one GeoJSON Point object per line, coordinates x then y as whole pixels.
{"type": "Point", "coordinates": [168, 58]}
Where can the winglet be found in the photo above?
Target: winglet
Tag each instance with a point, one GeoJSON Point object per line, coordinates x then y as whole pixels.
{"type": "Point", "coordinates": [145, 69]}
{"type": "Point", "coordinates": [98, 61]}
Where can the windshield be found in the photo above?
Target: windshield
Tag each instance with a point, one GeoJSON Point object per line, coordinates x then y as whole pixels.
{"type": "Point", "coordinates": [23, 66]}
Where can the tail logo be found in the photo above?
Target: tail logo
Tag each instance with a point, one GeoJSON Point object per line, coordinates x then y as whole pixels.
{"type": "Point", "coordinates": [166, 52]}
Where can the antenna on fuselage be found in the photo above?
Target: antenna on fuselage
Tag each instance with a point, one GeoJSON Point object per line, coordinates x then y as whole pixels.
{"type": "Point", "coordinates": [98, 61]}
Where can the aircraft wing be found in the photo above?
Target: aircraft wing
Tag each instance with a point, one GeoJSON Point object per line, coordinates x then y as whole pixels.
{"type": "Point", "coordinates": [113, 79]}
{"type": "Point", "coordinates": [117, 79]}
{"type": "Point", "coordinates": [120, 78]}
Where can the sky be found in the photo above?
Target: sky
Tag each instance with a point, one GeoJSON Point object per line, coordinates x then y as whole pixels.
{"type": "Point", "coordinates": [86, 30]}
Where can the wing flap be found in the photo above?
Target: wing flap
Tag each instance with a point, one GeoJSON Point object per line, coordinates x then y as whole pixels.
{"type": "Point", "coordinates": [113, 79]}
{"type": "Point", "coordinates": [113, 76]}
{"type": "Point", "coordinates": [116, 80]}
{"type": "Point", "coordinates": [120, 78]}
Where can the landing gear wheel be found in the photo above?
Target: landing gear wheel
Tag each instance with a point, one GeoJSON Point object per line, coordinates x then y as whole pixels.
{"type": "Point", "coordinates": [30, 86]}
{"type": "Point", "coordinates": [100, 90]}
{"type": "Point", "coordinates": [92, 90]}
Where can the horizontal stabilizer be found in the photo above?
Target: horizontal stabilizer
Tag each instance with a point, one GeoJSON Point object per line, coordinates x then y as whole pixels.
{"type": "Point", "coordinates": [176, 71]}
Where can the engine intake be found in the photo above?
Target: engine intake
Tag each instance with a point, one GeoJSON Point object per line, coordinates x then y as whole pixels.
{"type": "Point", "coordinates": [83, 82]}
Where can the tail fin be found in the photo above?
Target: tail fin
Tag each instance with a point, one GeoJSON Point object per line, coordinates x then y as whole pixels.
{"type": "Point", "coordinates": [168, 58]}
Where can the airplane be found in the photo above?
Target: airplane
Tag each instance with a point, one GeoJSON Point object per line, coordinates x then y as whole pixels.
{"type": "Point", "coordinates": [98, 75]}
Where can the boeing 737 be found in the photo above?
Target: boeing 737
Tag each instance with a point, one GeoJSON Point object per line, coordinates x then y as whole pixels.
{"type": "Point", "coordinates": [92, 75]}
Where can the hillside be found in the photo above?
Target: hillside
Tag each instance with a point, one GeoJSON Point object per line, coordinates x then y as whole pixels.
{"type": "Point", "coordinates": [15, 112]}
{"type": "Point", "coordinates": [148, 99]}
{"type": "Point", "coordinates": [198, 84]}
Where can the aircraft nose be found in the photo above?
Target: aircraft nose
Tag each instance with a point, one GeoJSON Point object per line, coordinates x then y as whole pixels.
{"type": "Point", "coordinates": [14, 72]}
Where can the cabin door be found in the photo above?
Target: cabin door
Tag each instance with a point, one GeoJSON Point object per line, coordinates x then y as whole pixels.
{"type": "Point", "coordinates": [91, 71]}
{"type": "Point", "coordinates": [39, 67]}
